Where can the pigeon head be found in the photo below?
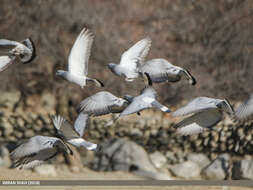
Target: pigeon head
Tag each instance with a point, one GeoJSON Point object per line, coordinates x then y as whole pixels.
{"type": "Point", "coordinates": [111, 66]}
{"type": "Point", "coordinates": [128, 98]}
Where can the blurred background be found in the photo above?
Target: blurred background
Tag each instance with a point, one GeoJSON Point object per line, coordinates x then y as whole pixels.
{"type": "Point", "coordinates": [212, 39]}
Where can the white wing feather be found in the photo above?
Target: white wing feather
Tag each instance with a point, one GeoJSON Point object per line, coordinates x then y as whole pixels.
{"type": "Point", "coordinates": [136, 54]}
{"type": "Point", "coordinates": [80, 53]}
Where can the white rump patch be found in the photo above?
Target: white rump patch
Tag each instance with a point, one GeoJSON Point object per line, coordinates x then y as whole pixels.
{"type": "Point", "coordinates": [164, 108]}
{"type": "Point", "coordinates": [148, 100]}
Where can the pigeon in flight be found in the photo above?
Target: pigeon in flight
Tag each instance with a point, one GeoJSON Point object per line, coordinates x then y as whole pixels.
{"type": "Point", "coordinates": [102, 103]}
{"type": "Point", "coordinates": [146, 99]}
{"type": "Point", "coordinates": [37, 150]}
{"type": "Point", "coordinates": [21, 52]}
{"type": "Point", "coordinates": [78, 61]}
{"type": "Point", "coordinates": [131, 60]}
{"type": "Point", "coordinates": [207, 112]}
{"type": "Point", "coordinates": [245, 110]}
{"type": "Point", "coordinates": [160, 70]}
{"type": "Point", "coordinates": [73, 134]}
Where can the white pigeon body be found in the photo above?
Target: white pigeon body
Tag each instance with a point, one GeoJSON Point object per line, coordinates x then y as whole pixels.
{"type": "Point", "coordinates": [207, 112]}
{"type": "Point", "coordinates": [160, 70]}
{"type": "Point", "coordinates": [78, 61]}
{"type": "Point", "coordinates": [21, 52]}
{"type": "Point", "coordinates": [73, 134]}
{"type": "Point", "coordinates": [37, 150]}
{"type": "Point", "coordinates": [131, 60]}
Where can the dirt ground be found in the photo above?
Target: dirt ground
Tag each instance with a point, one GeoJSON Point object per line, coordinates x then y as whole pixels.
{"type": "Point", "coordinates": [86, 174]}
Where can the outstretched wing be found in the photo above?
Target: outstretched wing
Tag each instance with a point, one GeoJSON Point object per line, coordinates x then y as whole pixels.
{"type": "Point", "coordinates": [135, 106]}
{"type": "Point", "coordinates": [199, 122]}
{"type": "Point", "coordinates": [5, 62]}
{"type": "Point", "coordinates": [81, 123]}
{"type": "Point", "coordinates": [36, 150]}
{"type": "Point", "coordinates": [4, 42]}
{"type": "Point", "coordinates": [245, 110]}
{"type": "Point", "coordinates": [196, 105]}
{"type": "Point", "coordinates": [64, 129]}
{"type": "Point", "coordinates": [149, 92]}
{"type": "Point", "coordinates": [80, 53]}
{"type": "Point", "coordinates": [30, 54]}
{"type": "Point", "coordinates": [36, 159]}
{"type": "Point", "coordinates": [136, 54]}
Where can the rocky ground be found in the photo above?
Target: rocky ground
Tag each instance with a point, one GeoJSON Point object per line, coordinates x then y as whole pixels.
{"type": "Point", "coordinates": [146, 146]}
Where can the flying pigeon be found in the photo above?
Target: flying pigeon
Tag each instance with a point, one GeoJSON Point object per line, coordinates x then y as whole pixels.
{"type": "Point", "coordinates": [160, 70]}
{"type": "Point", "coordinates": [131, 60]}
{"type": "Point", "coordinates": [78, 61]}
{"type": "Point", "coordinates": [21, 52]}
{"type": "Point", "coordinates": [102, 103]}
{"type": "Point", "coordinates": [207, 112]}
{"type": "Point", "coordinates": [146, 99]}
{"type": "Point", "coordinates": [37, 150]}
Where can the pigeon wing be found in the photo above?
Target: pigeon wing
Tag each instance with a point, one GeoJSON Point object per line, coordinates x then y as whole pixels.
{"type": "Point", "coordinates": [196, 105]}
{"type": "Point", "coordinates": [136, 54]}
{"type": "Point", "coordinates": [35, 159]}
{"type": "Point", "coordinates": [199, 122]}
{"type": "Point", "coordinates": [135, 106]}
{"type": "Point", "coordinates": [32, 53]}
{"type": "Point", "coordinates": [35, 145]}
{"type": "Point", "coordinates": [98, 104]}
{"type": "Point", "coordinates": [158, 70]}
{"type": "Point", "coordinates": [80, 53]}
{"type": "Point", "coordinates": [5, 62]}
{"type": "Point", "coordinates": [64, 128]}
{"type": "Point", "coordinates": [245, 110]}
{"type": "Point", "coordinates": [81, 123]}
{"type": "Point", "coordinates": [4, 42]}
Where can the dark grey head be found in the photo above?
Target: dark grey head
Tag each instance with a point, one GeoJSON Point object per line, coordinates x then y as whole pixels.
{"type": "Point", "coordinates": [128, 98]}
{"type": "Point", "coordinates": [112, 66]}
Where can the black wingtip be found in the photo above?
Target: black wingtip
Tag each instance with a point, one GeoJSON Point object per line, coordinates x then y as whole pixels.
{"type": "Point", "coordinates": [193, 81]}
{"type": "Point", "coordinates": [150, 83]}
{"type": "Point", "coordinates": [34, 54]}
{"type": "Point", "coordinates": [100, 83]}
{"type": "Point", "coordinates": [229, 104]}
